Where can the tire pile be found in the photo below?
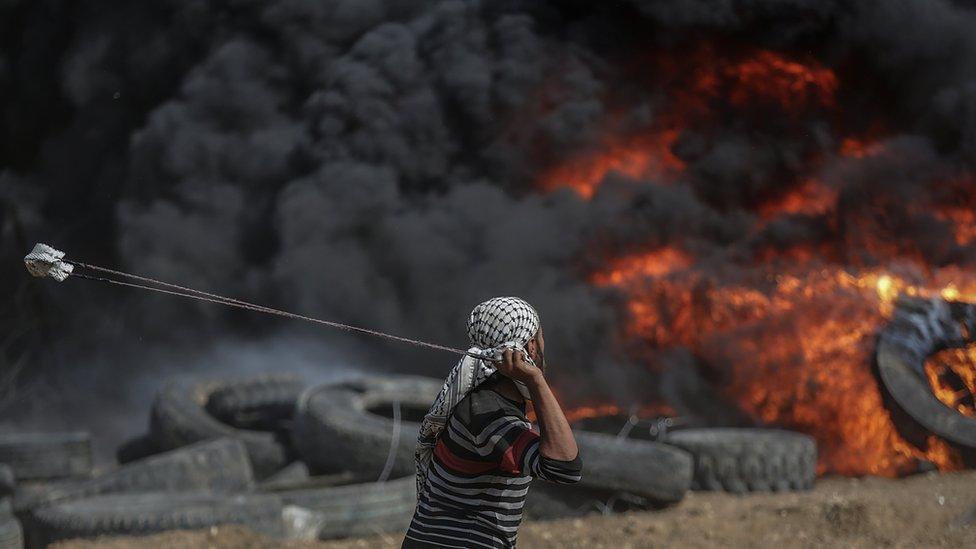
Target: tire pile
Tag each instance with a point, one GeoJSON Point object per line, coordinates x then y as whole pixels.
{"type": "Point", "coordinates": [318, 462]}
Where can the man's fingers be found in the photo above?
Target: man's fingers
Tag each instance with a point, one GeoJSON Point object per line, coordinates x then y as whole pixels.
{"type": "Point", "coordinates": [507, 362]}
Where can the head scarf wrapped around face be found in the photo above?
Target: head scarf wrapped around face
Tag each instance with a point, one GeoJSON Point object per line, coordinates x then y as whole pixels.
{"type": "Point", "coordinates": [494, 325]}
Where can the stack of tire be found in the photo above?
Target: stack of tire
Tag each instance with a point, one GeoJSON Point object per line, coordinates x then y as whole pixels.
{"type": "Point", "coordinates": [352, 426]}
{"type": "Point", "coordinates": [335, 460]}
{"type": "Point", "coordinates": [27, 458]}
{"type": "Point", "coordinates": [216, 452]}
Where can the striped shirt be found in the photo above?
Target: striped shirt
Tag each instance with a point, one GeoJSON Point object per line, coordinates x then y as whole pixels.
{"type": "Point", "coordinates": [479, 475]}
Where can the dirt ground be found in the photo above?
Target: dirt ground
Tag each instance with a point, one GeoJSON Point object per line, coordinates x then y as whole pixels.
{"type": "Point", "coordinates": [932, 510]}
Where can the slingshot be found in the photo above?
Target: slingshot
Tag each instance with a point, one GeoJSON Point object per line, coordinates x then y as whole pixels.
{"type": "Point", "coordinates": [46, 261]}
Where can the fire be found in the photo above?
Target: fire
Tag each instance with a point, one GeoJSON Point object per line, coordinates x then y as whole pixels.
{"type": "Point", "coordinates": [577, 413]}
{"type": "Point", "coordinates": [852, 147]}
{"type": "Point", "coordinates": [649, 153]}
{"type": "Point", "coordinates": [952, 376]}
{"type": "Point", "coordinates": [653, 264]}
{"type": "Point", "coordinates": [586, 412]}
{"type": "Point", "coordinates": [796, 354]}
{"type": "Point", "coordinates": [771, 76]}
{"type": "Point", "coordinates": [647, 156]}
{"type": "Point", "coordinates": [963, 220]}
{"type": "Point", "coordinates": [811, 197]}
{"type": "Point", "coordinates": [788, 326]}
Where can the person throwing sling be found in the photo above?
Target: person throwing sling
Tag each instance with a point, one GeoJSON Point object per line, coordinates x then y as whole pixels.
{"type": "Point", "coordinates": [477, 453]}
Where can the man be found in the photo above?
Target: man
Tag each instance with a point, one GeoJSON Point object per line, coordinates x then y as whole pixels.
{"type": "Point", "coordinates": [477, 453]}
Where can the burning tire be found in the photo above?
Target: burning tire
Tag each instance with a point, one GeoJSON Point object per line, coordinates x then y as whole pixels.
{"type": "Point", "coordinates": [218, 465]}
{"type": "Point", "coordinates": [340, 427]}
{"type": "Point", "coordinates": [749, 460]}
{"type": "Point", "coordinates": [147, 513]}
{"type": "Point", "coordinates": [44, 456]}
{"type": "Point", "coordinates": [180, 416]}
{"type": "Point", "coordinates": [919, 328]}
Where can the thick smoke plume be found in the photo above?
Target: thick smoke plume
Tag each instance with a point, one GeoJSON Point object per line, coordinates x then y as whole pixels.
{"type": "Point", "coordinates": [378, 163]}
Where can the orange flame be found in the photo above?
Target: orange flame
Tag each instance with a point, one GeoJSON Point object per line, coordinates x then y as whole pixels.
{"type": "Point", "coordinates": [808, 198]}
{"type": "Point", "coordinates": [963, 220]}
{"type": "Point", "coordinates": [793, 335]}
{"type": "Point", "coordinates": [642, 157]}
{"type": "Point", "coordinates": [766, 77]}
{"type": "Point", "coordinates": [852, 147]}
{"type": "Point", "coordinates": [798, 355]}
{"type": "Point", "coordinates": [771, 76]}
{"type": "Point", "coordinates": [577, 413]}
{"type": "Point", "coordinates": [653, 264]}
{"type": "Point", "coordinates": [952, 376]}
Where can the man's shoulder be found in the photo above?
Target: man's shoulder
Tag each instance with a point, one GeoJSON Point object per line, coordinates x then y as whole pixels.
{"type": "Point", "coordinates": [486, 399]}
{"type": "Point", "coordinates": [483, 404]}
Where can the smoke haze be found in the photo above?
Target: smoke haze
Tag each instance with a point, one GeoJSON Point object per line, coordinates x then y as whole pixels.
{"type": "Point", "coordinates": [378, 163]}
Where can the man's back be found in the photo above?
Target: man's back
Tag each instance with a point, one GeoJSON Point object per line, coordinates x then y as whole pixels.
{"type": "Point", "coordinates": [479, 476]}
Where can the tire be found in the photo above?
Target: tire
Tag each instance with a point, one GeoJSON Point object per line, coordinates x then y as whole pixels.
{"type": "Point", "coordinates": [919, 328]}
{"type": "Point", "coordinates": [295, 474]}
{"type": "Point", "coordinates": [358, 509]}
{"type": "Point", "coordinates": [262, 404]}
{"type": "Point", "coordinates": [146, 513]}
{"type": "Point", "coordinates": [11, 534]}
{"type": "Point", "coordinates": [218, 465]}
{"type": "Point", "coordinates": [45, 456]}
{"type": "Point", "coordinates": [749, 460]}
{"type": "Point", "coordinates": [179, 417]}
{"type": "Point", "coordinates": [136, 448]}
{"type": "Point", "coordinates": [658, 472]}
{"type": "Point", "coordinates": [335, 429]}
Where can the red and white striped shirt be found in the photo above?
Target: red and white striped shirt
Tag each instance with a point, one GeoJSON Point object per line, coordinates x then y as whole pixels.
{"type": "Point", "coordinates": [479, 476]}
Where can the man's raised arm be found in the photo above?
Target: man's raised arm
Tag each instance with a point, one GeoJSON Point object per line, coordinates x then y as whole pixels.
{"type": "Point", "coordinates": [557, 440]}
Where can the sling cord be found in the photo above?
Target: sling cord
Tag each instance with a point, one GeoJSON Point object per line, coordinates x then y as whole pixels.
{"type": "Point", "coordinates": [190, 293]}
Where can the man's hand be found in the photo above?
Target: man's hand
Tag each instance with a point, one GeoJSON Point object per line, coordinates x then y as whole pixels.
{"type": "Point", "coordinates": [514, 366]}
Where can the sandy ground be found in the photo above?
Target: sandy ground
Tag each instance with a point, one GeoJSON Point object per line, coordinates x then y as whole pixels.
{"type": "Point", "coordinates": [933, 510]}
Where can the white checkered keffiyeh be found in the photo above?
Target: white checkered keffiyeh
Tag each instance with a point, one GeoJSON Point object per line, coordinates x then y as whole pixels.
{"type": "Point", "coordinates": [494, 325]}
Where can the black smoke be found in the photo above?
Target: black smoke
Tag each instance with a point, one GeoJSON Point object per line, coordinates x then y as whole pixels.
{"type": "Point", "coordinates": [375, 162]}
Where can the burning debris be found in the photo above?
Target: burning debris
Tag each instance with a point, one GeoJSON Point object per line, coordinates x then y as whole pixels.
{"type": "Point", "coordinates": [920, 328]}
